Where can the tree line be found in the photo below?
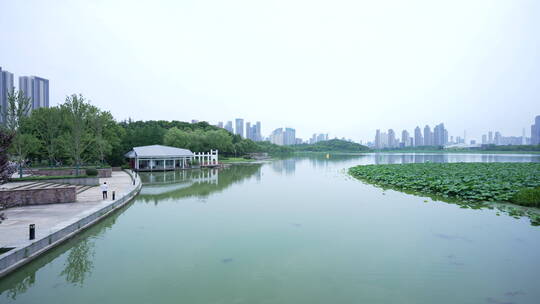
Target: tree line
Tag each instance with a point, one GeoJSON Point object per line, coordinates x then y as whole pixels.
{"type": "Point", "coordinates": [77, 133]}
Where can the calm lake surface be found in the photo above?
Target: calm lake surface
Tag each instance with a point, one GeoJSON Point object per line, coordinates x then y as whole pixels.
{"type": "Point", "coordinates": [296, 230]}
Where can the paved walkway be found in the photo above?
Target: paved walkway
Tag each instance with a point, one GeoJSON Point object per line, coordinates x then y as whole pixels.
{"type": "Point", "coordinates": [52, 217]}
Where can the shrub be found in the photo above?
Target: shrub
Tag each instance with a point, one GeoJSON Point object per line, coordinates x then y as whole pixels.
{"type": "Point", "coordinates": [529, 197]}
{"type": "Point", "coordinates": [91, 172]}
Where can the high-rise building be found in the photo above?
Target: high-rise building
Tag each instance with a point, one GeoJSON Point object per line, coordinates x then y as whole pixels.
{"type": "Point", "coordinates": [490, 137]}
{"type": "Point", "coordinates": [290, 137]}
{"type": "Point", "coordinates": [484, 139]}
{"type": "Point", "coordinates": [37, 89]}
{"type": "Point", "coordinates": [239, 127]}
{"type": "Point", "coordinates": [6, 87]}
{"type": "Point", "coordinates": [248, 131]}
{"type": "Point", "coordinates": [428, 137]}
{"type": "Point", "coordinates": [259, 132]}
{"type": "Point", "coordinates": [391, 138]}
{"type": "Point", "coordinates": [276, 137]}
{"type": "Point", "coordinates": [535, 131]}
{"type": "Point", "coordinates": [378, 139]}
{"type": "Point", "coordinates": [220, 124]}
{"type": "Point", "coordinates": [405, 138]}
{"type": "Point", "coordinates": [418, 138]}
{"type": "Point", "coordinates": [228, 126]}
{"type": "Point", "coordinates": [498, 138]}
{"type": "Point", "coordinates": [440, 135]}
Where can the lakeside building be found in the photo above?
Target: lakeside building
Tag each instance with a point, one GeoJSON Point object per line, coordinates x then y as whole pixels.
{"type": "Point", "coordinates": [37, 89]}
{"type": "Point", "coordinates": [164, 158]}
{"type": "Point", "coordinates": [6, 87]}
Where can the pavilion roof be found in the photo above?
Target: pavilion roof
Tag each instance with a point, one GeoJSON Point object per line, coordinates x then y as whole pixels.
{"type": "Point", "coordinates": [158, 151]}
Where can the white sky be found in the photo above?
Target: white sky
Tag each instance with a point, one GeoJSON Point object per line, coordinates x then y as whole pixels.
{"type": "Point", "coordinates": [339, 67]}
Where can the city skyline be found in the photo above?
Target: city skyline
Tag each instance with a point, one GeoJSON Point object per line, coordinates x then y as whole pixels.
{"type": "Point", "coordinates": [353, 72]}
{"type": "Point", "coordinates": [439, 136]}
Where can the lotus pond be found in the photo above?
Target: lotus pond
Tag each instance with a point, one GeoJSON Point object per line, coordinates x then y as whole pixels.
{"type": "Point", "coordinates": [465, 181]}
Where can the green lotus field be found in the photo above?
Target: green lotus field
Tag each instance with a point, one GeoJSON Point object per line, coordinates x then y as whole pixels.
{"type": "Point", "coordinates": [470, 182]}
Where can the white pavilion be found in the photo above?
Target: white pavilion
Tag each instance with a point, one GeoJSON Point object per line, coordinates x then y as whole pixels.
{"type": "Point", "coordinates": [162, 158]}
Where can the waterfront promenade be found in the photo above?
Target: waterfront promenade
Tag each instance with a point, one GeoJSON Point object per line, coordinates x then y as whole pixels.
{"type": "Point", "coordinates": [56, 222]}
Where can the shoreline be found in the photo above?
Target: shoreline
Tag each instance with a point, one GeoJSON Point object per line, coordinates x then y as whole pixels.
{"type": "Point", "coordinates": [30, 250]}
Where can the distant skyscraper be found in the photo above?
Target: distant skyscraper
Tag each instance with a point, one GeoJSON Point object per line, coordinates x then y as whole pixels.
{"type": "Point", "coordinates": [289, 137]}
{"type": "Point", "coordinates": [277, 137]}
{"type": "Point", "coordinates": [484, 139]}
{"type": "Point", "coordinates": [259, 132]}
{"type": "Point", "coordinates": [535, 131]}
{"type": "Point", "coordinates": [239, 127]}
{"type": "Point", "coordinates": [229, 127]}
{"type": "Point", "coordinates": [37, 89]}
{"type": "Point", "coordinates": [391, 138]}
{"type": "Point", "coordinates": [248, 131]}
{"type": "Point", "coordinates": [6, 87]}
{"type": "Point", "coordinates": [498, 138]}
{"type": "Point", "coordinates": [378, 142]}
{"type": "Point", "coordinates": [440, 136]}
{"type": "Point", "coordinates": [418, 139]}
{"type": "Point", "coordinates": [428, 138]}
{"type": "Point", "coordinates": [490, 137]}
{"type": "Point", "coordinates": [220, 124]}
{"type": "Point", "coordinates": [405, 138]}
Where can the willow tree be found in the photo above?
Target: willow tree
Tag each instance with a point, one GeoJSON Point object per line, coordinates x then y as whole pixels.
{"type": "Point", "coordinates": [78, 116]}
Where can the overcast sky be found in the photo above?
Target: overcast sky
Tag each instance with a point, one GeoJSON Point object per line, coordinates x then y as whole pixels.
{"type": "Point", "coordinates": [339, 67]}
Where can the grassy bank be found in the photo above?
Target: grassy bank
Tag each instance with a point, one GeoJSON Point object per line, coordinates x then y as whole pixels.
{"type": "Point", "coordinates": [481, 183]}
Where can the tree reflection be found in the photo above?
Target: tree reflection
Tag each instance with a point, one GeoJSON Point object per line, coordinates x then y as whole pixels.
{"type": "Point", "coordinates": [79, 263]}
{"type": "Point", "coordinates": [22, 286]}
{"type": "Point", "coordinates": [193, 183]}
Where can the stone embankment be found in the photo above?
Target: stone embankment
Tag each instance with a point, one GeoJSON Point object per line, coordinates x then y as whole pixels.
{"type": "Point", "coordinates": [56, 223]}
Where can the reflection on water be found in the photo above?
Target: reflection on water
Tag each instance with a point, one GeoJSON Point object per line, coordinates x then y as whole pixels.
{"type": "Point", "coordinates": [79, 262]}
{"type": "Point", "coordinates": [194, 183]}
{"type": "Point", "coordinates": [76, 268]}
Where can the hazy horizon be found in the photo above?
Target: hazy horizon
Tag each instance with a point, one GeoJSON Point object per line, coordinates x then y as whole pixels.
{"type": "Point", "coordinates": [345, 68]}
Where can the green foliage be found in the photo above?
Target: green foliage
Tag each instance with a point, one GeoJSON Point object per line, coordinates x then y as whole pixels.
{"type": "Point", "coordinates": [472, 182]}
{"type": "Point", "coordinates": [527, 197]}
{"type": "Point", "coordinates": [91, 172]}
{"type": "Point", "coordinates": [333, 145]}
{"type": "Point", "coordinates": [46, 125]}
{"type": "Point", "coordinates": [16, 111]}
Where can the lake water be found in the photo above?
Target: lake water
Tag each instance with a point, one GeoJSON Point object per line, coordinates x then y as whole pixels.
{"type": "Point", "coordinates": [297, 230]}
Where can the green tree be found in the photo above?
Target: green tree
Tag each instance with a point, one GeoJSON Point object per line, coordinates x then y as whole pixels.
{"type": "Point", "coordinates": [46, 124]}
{"type": "Point", "coordinates": [18, 107]}
{"type": "Point", "coordinates": [22, 146]}
{"type": "Point", "coordinates": [78, 116]}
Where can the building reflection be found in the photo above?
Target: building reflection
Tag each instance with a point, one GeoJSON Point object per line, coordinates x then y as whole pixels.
{"type": "Point", "coordinates": [202, 183]}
